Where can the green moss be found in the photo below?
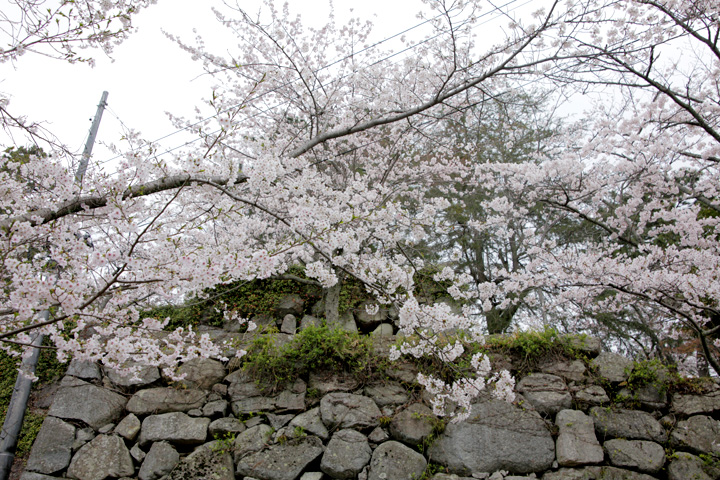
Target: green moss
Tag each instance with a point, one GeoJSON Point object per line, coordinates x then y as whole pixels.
{"type": "Point", "coordinates": [314, 348]}
{"type": "Point", "coordinates": [48, 370]}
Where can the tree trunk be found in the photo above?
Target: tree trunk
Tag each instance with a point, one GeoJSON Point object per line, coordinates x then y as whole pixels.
{"type": "Point", "coordinates": [332, 301]}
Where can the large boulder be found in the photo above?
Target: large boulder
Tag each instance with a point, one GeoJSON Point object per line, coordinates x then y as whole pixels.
{"type": "Point", "coordinates": [496, 436]}
{"type": "Point", "coordinates": [636, 454]}
{"type": "Point", "coordinates": [251, 440]}
{"type": "Point", "coordinates": [548, 394]}
{"type": "Point", "coordinates": [174, 427]}
{"type": "Point", "coordinates": [207, 462]}
{"type": "Point", "coordinates": [290, 304]}
{"type": "Point", "coordinates": [393, 460]}
{"type": "Point", "coordinates": [159, 461]}
{"type": "Point", "coordinates": [693, 404]}
{"type": "Point", "coordinates": [346, 454]}
{"type": "Point", "coordinates": [345, 410]}
{"type": "Point", "coordinates": [284, 461]}
{"type": "Point", "coordinates": [612, 367]}
{"type": "Point", "coordinates": [390, 393]}
{"type": "Point", "coordinates": [576, 443]}
{"type": "Point", "coordinates": [106, 456]}
{"type": "Point", "coordinates": [311, 422]}
{"type": "Point", "coordinates": [79, 400]}
{"type": "Point", "coordinates": [52, 449]}
{"type": "Point", "coordinates": [685, 466]}
{"type": "Point", "coordinates": [201, 373]}
{"type": "Point", "coordinates": [164, 400]}
{"type": "Point", "coordinates": [145, 375]}
{"type": "Point", "coordinates": [699, 433]}
{"type": "Point", "coordinates": [413, 424]}
{"type": "Point", "coordinates": [628, 424]}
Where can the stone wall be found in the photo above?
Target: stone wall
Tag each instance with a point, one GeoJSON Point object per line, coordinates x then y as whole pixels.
{"type": "Point", "coordinates": [563, 426]}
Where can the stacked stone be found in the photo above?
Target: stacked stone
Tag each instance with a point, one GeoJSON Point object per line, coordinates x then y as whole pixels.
{"type": "Point", "coordinates": [328, 426]}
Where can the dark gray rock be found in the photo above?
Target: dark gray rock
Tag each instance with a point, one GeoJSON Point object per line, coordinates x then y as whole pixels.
{"type": "Point", "coordinates": [405, 372]}
{"type": "Point", "coordinates": [201, 373]}
{"type": "Point", "coordinates": [548, 394]}
{"type": "Point", "coordinates": [612, 367]}
{"type": "Point", "coordinates": [592, 395]}
{"type": "Point", "coordinates": [279, 421]}
{"type": "Point", "coordinates": [596, 473]}
{"type": "Point", "coordinates": [346, 454]}
{"type": "Point", "coordinates": [382, 330]}
{"type": "Point", "coordinates": [325, 382]}
{"type": "Point", "coordinates": [242, 385]}
{"type": "Point", "coordinates": [289, 401]}
{"type": "Point", "coordinates": [163, 400]}
{"type": "Point", "coordinates": [78, 400]}
{"type": "Point", "coordinates": [291, 304]}
{"type": "Point", "coordinates": [694, 404]}
{"type": "Point", "coordinates": [586, 344]}
{"type": "Point", "coordinates": [146, 375]}
{"type": "Point", "coordinates": [36, 476]}
{"type": "Point", "coordinates": [82, 436]}
{"type": "Point", "coordinates": [227, 425]}
{"type": "Point", "coordinates": [346, 322]}
{"type": "Point", "coordinates": [496, 436]}
{"type": "Point", "coordinates": [685, 466]}
{"type": "Point", "coordinates": [105, 456]}
{"type": "Point", "coordinates": [84, 369]}
{"type": "Point", "coordinates": [251, 440]}
{"type": "Point", "coordinates": [309, 320]}
{"type": "Point", "coordinates": [636, 454]}
{"type": "Point", "coordinates": [174, 427]}
{"type": "Point", "coordinates": [569, 370]}
{"type": "Point", "coordinates": [207, 462]}
{"type": "Point", "coordinates": [311, 422]}
{"type": "Point", "coordinates": [378, 435]}
{"type": "Point", "coordinates": [391, 393]}
{"type": "Point", "coordinates": [129, 427]}
{"type": "Point", "coordinates": [628, 424]}
{"type": "Point", "coordinates": [159, 461]}
{"type": "Point", "coordinates": [283, 461]}
{"type": "Point", "coordinates": [649, 396]}
{"type": "Point", "coordinates": [253, 405]}
{"type": "Point", "coordinates": [137, 453]}
{"type": "Point", "coordinates": [576, 443]}
{"type": "Point", "coordinates": [215, 409]}
{"type": "Point", "coordinates": [52, 449]}
{"type": "Point", "coordinates": [413, 424]}
{"type": "Point", "coordinates": [393, 460]}
{"type": "Point", "coordinates": [366, 320]}
{"type": "Point", "coordinates": [699, 433]}
{"type": "Point", "coordinates": [289, 324]}
{"type": "Point", "coordinates": [345, 410]}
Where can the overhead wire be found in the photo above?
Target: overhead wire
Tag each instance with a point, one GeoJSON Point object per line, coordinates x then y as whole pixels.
{"type": "Point", "coordinates": [333, 63]}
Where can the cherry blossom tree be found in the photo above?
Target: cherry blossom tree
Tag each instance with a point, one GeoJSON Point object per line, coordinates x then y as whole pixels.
{"type": "Point", "coordinates": [312, 158]}
{"type": "Point", "coordinates": [644, 174]}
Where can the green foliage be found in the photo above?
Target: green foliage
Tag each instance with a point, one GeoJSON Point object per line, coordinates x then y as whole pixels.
{"type": "Point", "coordinates": [223, 443]}
{"type": "Point", "coordinates": [530, 347]}
{"type": "Point", "coordinates": [257, 297]}
{"type": "Point", "coordinates": [48, 370]}
{"type": "Point", "coordinates": [314, 348]}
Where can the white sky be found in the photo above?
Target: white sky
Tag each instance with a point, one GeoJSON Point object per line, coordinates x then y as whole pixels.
{"type": "Point", "coordinates": [150, 75]}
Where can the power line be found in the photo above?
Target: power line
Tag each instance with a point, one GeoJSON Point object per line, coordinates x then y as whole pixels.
{"type": "Point", "coordinates": [335, 62]}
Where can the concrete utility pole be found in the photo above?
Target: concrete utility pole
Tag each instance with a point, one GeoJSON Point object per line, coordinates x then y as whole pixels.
{"type": "Point", "coordinates": [91, 139]}
{"type": "Point", "coordinates": [21, 393]}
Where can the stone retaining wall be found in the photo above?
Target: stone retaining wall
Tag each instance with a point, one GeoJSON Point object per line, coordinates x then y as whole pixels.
{"type": "Point", "coordinates": [562, 426]}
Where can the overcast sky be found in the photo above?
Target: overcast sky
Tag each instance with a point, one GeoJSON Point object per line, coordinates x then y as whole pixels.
{"type": "Point", "coordinates": [149, 75]}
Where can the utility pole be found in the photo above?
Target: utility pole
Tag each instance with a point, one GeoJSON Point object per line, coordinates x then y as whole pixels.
{"type": "Point", "coordinates": [21, 393]}
{"type": "Point", "coordinates": [91, 139]}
